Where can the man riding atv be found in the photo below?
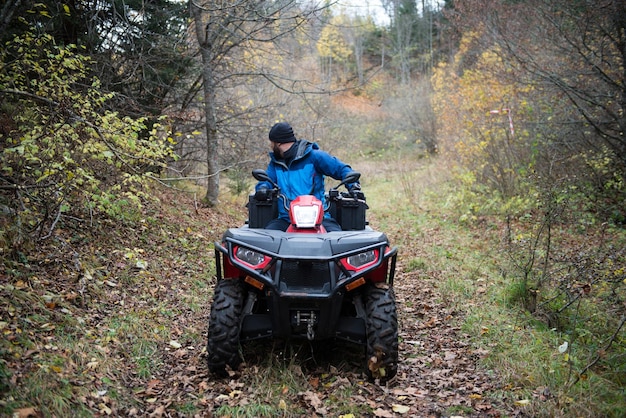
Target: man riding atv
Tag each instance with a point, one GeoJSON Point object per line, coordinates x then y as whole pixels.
{"type": "Point", "coordinates": [306, 265]}
{"type": "Point", "coordinates": [298, 168]}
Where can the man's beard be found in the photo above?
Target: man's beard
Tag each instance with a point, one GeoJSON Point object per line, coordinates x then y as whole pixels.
{"type": "Point", "coordinates": [276, 149]}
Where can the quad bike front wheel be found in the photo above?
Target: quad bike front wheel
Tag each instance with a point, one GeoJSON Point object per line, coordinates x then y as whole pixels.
{"type": "Point", "coordinates": [224, 326]}
{"type": "Point", "coordinates": [382, 333]}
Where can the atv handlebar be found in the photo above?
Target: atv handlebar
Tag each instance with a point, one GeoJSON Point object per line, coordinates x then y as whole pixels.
{"type": "Point", "coordinates": [351, 178]}
{"type": "Point", "coordinates": [261, 175]}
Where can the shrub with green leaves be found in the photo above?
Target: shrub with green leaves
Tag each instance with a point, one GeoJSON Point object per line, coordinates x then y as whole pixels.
{"type": "Point", "coordinates": [64, 155]}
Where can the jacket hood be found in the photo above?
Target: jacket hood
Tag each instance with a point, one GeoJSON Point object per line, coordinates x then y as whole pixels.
{"type": "Point", "coordinates": [303, 147]}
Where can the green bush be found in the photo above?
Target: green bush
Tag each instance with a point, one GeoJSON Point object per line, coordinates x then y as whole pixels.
{"type": "Point", "coordinates": [64, 155]}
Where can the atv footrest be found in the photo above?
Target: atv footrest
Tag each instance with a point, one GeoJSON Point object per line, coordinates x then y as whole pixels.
{"type": "Point", "coordinates": [256, 326]}
{"type": "Point", "coordinates": [351, 329]}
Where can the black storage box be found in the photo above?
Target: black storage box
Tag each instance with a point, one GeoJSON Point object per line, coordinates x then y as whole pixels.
{"type": "Point", "coordinates": [260, 212]}
{"type": "Point", "coordinates": [349, 212]}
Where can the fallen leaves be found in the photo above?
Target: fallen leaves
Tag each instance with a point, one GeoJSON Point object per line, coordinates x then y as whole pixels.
{"type": "Point", "coordinates": [383, 413]}
{"type": "Point", "coordinates": [375, 362]}
{"type": "Point", "coordinates": [400, 409]}
{"type": "Point", "coordinates": [25, 412]}
{"type": "Point", "coordinates": [313, 400]}
{"type": "Point", "coordinates": [440, 370]}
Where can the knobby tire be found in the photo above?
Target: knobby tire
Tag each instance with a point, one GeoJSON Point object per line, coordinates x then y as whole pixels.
{"type": "Point", "coordinates": [382, 334]}
{"type": "Point", "coordinates": [224, 327]}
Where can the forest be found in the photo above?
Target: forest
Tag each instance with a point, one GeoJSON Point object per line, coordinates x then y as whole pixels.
{"type": "Point", "coordinates": [490, 135]}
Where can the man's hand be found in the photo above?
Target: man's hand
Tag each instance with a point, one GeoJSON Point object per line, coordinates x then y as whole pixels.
{"type": "Point", "coordinates": [355, 191]}
{"type": "Point", "coordinates": [262, 194]}
{"type": "Point", "coordinates": [354, 187]}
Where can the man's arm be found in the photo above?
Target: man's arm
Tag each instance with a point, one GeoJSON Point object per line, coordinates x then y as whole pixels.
{"type": "Point", "coordinates": [332, 166]}
{"type": "Point", "coordinates": [271, 173]}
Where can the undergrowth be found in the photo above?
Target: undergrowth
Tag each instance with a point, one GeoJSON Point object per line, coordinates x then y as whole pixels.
{"type": "Point", "coordinates": [544, 295]}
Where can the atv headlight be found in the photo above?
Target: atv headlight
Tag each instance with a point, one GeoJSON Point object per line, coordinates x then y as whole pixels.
{"type": "Point", "coordinates": [305, 216]}
{"type": "Point", "coordinates": [250, 257]}
{"type": "Point", "coordinates": [362, 259]}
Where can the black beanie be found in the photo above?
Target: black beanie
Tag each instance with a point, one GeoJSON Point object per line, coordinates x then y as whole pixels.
{"type": "Point", "coordinates": [282, 132]}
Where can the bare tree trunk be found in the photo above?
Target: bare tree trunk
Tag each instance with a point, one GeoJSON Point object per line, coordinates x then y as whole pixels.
{"type": "Point", "coordinates": [213, 180]}
{"type": "Point", "coordinates": [7, 12]}
{"type": "Point", "coordinates": [403, 25]}
{"type": "Point", "coordinates": [358, 57]}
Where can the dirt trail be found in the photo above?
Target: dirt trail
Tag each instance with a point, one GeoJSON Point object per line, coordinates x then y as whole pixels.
{"type": "Point", "coordinates": [438, 366]}
{"type": "Point", "coordinates": [437, 375]}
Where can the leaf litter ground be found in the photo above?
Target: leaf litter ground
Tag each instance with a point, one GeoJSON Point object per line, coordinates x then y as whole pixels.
{"type": "Point", "coordinates": [117, 326]}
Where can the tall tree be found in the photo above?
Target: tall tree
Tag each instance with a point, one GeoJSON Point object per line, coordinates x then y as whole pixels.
{"type": "Point", "coordinates": [333, 47]}
{"type": "Point", "coordinates": [403, 15]}
{"type": "Point", "coordinates": [415, 28]}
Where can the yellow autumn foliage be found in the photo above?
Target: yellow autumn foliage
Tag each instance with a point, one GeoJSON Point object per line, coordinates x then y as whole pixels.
{"type": "Point", "coordinates": [332, 43]}
{"type": "Point", "coordinates": [475, 104]}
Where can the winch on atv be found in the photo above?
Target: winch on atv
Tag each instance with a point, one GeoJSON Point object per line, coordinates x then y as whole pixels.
{"type": "Point", "coordinates": [305, 283]}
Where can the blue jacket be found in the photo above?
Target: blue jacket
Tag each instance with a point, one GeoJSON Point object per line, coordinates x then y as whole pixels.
{"type": "Point", "coordinates": [304, 175]}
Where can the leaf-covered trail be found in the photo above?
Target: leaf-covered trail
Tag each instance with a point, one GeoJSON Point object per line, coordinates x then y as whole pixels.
{"type": "Point", "coordinates": [438, 365]}
{"type": "Point", "coordinates": [438, 372]}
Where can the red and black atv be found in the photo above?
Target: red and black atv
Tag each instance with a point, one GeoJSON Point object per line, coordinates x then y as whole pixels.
{"type": "Point", "coordinates": [305, 283]}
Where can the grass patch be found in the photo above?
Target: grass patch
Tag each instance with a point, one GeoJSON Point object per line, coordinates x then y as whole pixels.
{"type": "Point", "coordinates": [249, 411]}
{"type": "Point", "coordinates": [416, 264]}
